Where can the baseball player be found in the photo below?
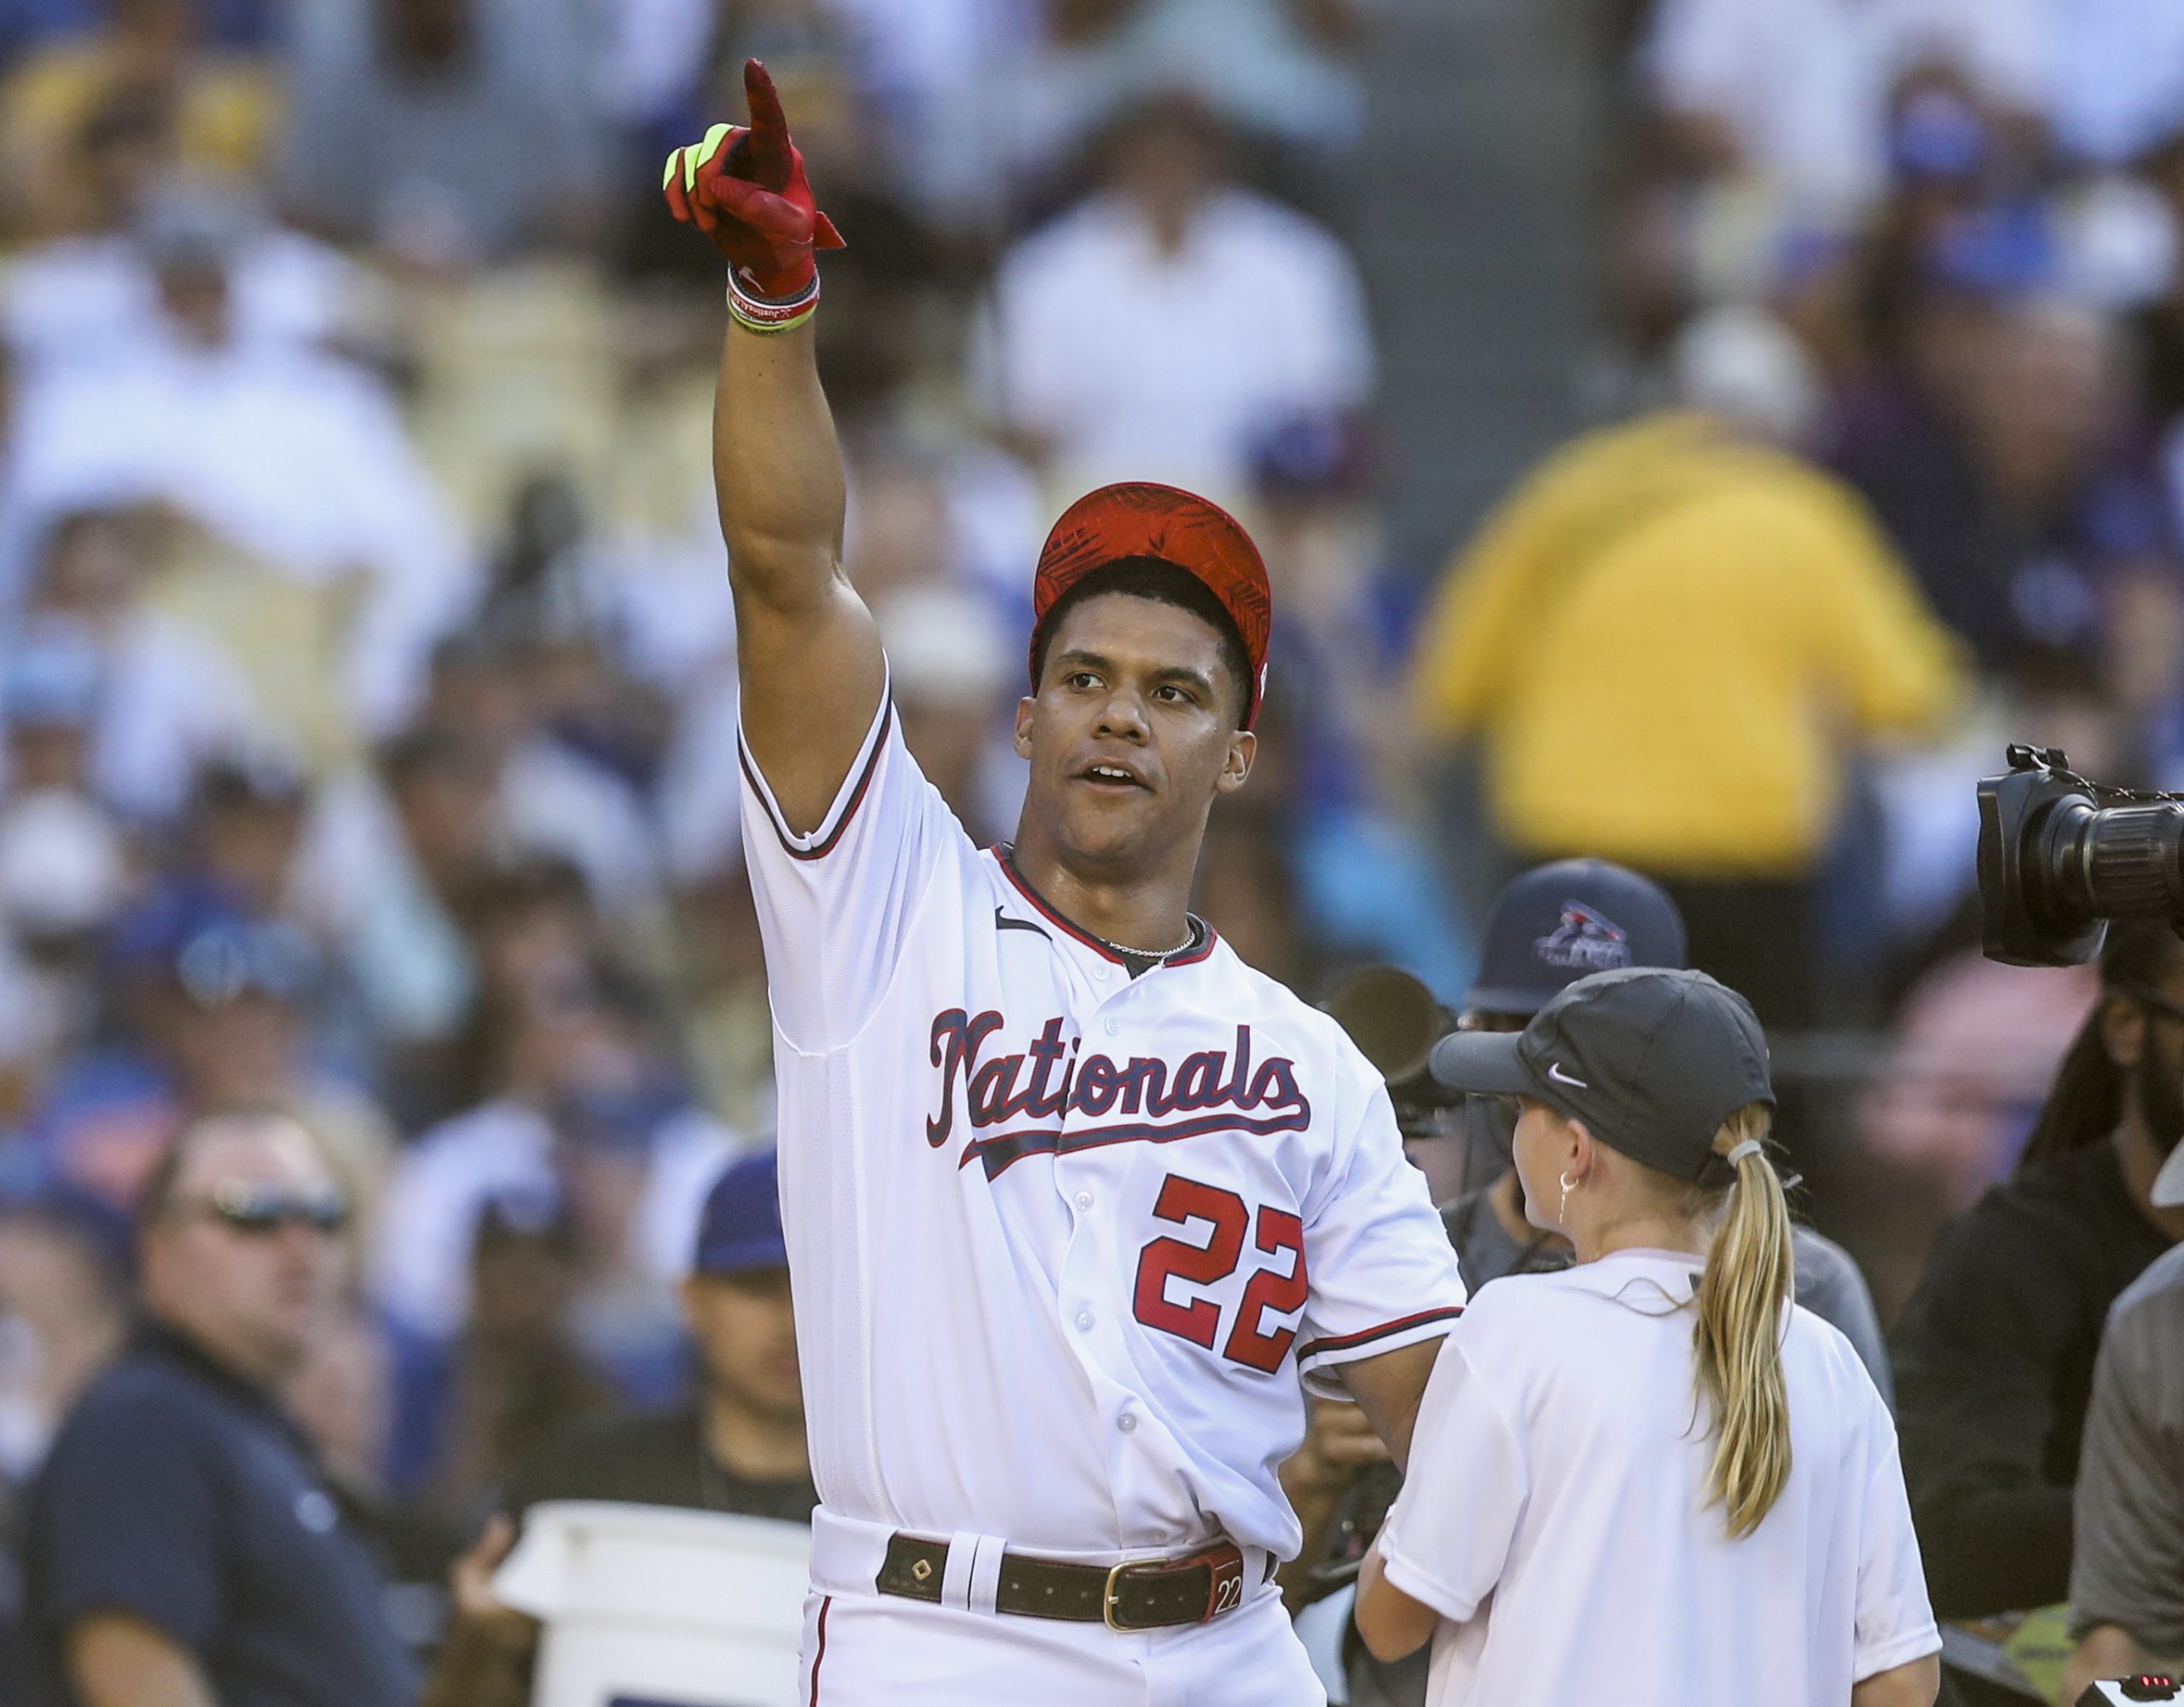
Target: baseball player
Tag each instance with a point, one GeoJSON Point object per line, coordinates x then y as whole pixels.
{"type": "Point", "coordinates": [1075, 1200]}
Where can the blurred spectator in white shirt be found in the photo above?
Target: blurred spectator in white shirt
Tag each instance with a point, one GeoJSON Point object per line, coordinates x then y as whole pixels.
{"type": "Point", "coordinates": [164, 699]}
{"type": "Point", "coordinates": [92, 298]}
{"type": "Point", "coordinates": [448, 133]}
{"type": "Point", "coordinates": [1151, 332]}
{"type": "Point", "coordinates": [295, 458]}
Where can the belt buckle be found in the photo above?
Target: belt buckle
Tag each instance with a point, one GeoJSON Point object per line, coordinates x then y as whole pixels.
{"type": "Point", "coordinates": [1107, 1597]}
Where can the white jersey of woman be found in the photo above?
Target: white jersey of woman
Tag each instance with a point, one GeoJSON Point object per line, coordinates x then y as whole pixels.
{"type": "Point", "coordinates": [1556, 1512]}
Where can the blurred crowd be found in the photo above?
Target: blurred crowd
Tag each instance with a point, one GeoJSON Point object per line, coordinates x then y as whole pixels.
{"type": "Point", "coordinates": [366, 668]}
{"type": "Point", "coordinates": [1896, 306]}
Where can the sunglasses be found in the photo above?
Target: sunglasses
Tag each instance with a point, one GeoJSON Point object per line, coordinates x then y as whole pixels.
{"type": "Point", "coordinates": [258, 1211]}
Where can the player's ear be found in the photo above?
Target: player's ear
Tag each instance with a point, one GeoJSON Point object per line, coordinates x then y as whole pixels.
{"type": "Point", "coordinates": [1025, 707]}
{"type": "Point", "coordinates": [1236, 767]}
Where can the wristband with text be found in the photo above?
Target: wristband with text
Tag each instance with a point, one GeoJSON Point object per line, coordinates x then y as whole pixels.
{"type": "Point", "coordinates": [769, 315]}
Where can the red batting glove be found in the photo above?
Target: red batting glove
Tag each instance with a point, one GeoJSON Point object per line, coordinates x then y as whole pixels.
{"type": "Point", "coordinates": [746, 189]}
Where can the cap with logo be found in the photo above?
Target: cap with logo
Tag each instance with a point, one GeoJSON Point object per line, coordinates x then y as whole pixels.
{"type": "Point", "coordinates": [740, 1228]}
{"type": "Point", "coordinates": [1558, 923]}
{"type": "Point", "coordinates": [1138, 519]}
{"type": "Point", "coordinates": [1652, 1059]}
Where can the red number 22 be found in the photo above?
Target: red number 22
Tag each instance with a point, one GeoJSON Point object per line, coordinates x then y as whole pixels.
{"type": "Point", "coordinates": [1183, 1200]}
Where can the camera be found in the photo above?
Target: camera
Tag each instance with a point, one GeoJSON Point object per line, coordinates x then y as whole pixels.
{"type": "Point", "coordinates": [1396, 1020]}
{"type": "Point", "coordinates": [2061, 856]}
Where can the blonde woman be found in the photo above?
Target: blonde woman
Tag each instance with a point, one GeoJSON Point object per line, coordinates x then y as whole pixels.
{"type": "Point", "coordinates": [1649, 1479]}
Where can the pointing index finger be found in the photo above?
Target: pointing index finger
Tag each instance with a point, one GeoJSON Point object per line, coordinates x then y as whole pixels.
{"type": "Point", "coordinates": [769, 126]}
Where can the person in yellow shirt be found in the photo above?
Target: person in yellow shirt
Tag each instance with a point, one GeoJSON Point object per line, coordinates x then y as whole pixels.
{"type": "Point", "coordinates": [1665, 647]}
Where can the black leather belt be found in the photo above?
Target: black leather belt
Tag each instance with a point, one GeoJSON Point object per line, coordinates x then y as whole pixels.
{"type": "Point", "coordinates": [1144, 1595]}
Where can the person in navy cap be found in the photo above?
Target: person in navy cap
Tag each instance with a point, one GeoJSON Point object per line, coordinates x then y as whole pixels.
{"type": "Point", "coordinates": [738, 1445]}
{"type": "Point", "coordinates": [1550, 926]}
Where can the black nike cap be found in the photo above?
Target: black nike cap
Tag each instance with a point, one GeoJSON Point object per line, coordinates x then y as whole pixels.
{"type": "Point", "coordinates": [1556, 923]}
{"type": "Point", "coordinates": [1652, 1059]}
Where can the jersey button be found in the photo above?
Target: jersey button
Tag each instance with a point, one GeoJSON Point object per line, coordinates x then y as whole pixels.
{"type": "Point", "coordinates": [1113, 1026]}
{"type": "Point", "coordinates": [1103, 971]}
{"type": "Point", "coordinates": [1127, 1422]}
{"type": "Point", "coordinates": [1085, 1200]}
{"type": "Point", "coordinates": [1084, 1321]}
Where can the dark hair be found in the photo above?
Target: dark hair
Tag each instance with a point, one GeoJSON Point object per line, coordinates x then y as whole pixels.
{"type": "Point", "coordinates": [2085, 1104]}
{"type": "Point", "coordinates": [1164, 583]}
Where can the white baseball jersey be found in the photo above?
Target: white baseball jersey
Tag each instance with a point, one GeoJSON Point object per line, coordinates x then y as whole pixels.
{"type": "Point", "coordinates": [1062, 1241]}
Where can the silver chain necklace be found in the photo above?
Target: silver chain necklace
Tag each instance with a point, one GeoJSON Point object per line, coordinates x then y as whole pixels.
{"type": "Point", "coordinates": [1008, 851]}
{"type": "Point", "coordinates": [1190, 936]}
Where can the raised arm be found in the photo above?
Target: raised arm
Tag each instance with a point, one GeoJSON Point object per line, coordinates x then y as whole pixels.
{"type": "Point", "coordinates": [808, 654]}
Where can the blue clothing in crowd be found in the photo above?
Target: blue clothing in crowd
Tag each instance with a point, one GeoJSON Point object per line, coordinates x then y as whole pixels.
{"type": "Point", "coordinates": [180, 1496]}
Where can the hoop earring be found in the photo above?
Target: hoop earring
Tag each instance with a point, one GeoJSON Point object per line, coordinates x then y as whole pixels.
{"type": "Point", "coordinates": [1568, 1185]}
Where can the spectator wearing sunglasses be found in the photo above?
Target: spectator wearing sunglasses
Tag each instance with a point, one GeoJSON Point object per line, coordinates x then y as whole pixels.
{"type": "Point", "coordinates": [1995, 1354]}
{"type": "Point", "coordinates": [182, 1545]}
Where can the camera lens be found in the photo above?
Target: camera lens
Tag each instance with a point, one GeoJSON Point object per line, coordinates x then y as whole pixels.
{"type": "Point", "coordinates": [2114, 861]}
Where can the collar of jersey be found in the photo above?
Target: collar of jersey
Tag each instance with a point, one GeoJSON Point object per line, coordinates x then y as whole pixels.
{"type": "Point", "coordinates": [1085, 938]}
{"type": "Point", "coordinates": [1671, 1270]}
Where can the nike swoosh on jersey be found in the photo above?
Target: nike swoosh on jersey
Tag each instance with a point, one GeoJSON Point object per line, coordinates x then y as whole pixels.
{"type": "Point", "coordinates": [1554, 1071]}
{"type": "Point", "coordinates": [1002, 921]}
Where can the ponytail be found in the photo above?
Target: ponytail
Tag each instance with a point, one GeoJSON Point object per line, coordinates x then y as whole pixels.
{"type": "Point", "coordinates": [1749, 1279]}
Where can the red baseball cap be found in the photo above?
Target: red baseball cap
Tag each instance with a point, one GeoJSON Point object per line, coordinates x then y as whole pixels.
{"type": "Point", "coordinates": [1138, 518]}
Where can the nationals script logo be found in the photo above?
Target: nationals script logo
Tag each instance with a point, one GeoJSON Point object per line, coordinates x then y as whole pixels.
{"type": "Point", "coordinates": [1215, 1090]}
